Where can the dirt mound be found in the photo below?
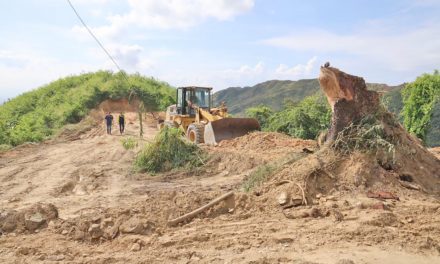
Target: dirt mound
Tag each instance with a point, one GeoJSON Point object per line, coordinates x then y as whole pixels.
{"type": "Point", "coordinates": [267, 145]}
{"type": "Point", "coordinates": [266, 141]}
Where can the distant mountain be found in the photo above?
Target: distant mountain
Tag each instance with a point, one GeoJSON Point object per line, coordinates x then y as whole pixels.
{"type": "Point", "coordinates": [275, 93]}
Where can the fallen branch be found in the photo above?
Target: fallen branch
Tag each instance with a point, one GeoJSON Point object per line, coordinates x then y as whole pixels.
{"type": "Point", "coordinates": [199, 210]}
{"type": "Point", "coordinates": [409, 185]}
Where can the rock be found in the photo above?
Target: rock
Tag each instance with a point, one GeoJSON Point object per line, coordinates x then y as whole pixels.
{"type": "Point", "coordinates": [8, 226]}
{"type": "Point", "coordinates": [95, 231]}
{"type": "Point", "coordinates": [79, 235]}
{"type": "Point", "coordinates": [296, 214]}
{"type": "Point", "coordinates": [378, 206]}
{"type": "Point", "coordinates": [283, 198]}
{"type": "Point", "coordinates": [297, 201]}
{"type": "Point", "coordinates": [315, 212]}
{"type": "Point", "coordinates": [136, 226]}
{"type": "Point", "coordinates": [338, 216]}
{"type": "Point", "coordinates": [22, 251]}
{"type": "Point", "coordinates": [135, 247]}
{"type": "Point", "coordinates": [112, 232]}
{"type": "Point", "coordinates": [64, 232]}
{"type": "Point", "coordinates": [34, 221]}
{"type": "Point", "coordinates": [331, 198]}
{"type": "Point", "coordinates": [345, 261]}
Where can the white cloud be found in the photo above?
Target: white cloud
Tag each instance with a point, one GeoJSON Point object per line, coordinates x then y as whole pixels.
{"type": "Point", "coordinates": [401, 51]}
{"type": "Point", "coordinates": [168, 14]}
{"type": "Point", "coordinates": [299, 70]}
{"type": "Point", "coordinates": [248, 70]}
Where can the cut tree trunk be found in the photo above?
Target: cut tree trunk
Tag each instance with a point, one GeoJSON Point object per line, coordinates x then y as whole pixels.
{"type": "Point", "coordinates": [348, 97]}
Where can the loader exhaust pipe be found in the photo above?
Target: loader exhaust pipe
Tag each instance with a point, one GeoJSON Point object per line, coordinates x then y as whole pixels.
{"type": "Point", "coordinates": [228, 128]}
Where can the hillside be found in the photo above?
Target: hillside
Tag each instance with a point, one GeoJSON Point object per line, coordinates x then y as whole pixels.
{"type": "Point", "coordinates": [38, 114]}
{"type": "Point", "coordinates": [274, 93]}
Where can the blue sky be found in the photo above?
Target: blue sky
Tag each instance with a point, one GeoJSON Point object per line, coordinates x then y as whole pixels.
{"type": "Point", "coordinates": [219, 43]}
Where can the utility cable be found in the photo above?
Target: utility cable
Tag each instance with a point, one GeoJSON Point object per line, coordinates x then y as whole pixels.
{"type": "Point", "coordinates": [93, 35]}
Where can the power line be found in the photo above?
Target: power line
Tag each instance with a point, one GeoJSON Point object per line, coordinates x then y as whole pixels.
{"type": "Point", "coordinates": [93, 35]}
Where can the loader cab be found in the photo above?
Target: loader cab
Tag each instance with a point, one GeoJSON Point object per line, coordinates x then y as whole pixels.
{"type": "Point", "coordinates": [188, 97]}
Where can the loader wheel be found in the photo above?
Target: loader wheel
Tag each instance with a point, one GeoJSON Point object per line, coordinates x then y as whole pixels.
{"type": "Point", "coordinates": [195, 133]}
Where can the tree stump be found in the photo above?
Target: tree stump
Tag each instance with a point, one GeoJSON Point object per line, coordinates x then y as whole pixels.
{"type": "Point", "coordinates": [348, 97]}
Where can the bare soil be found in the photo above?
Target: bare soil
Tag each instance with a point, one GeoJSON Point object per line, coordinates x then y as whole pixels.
{"type": "Point", "coordinates": [105, 212]}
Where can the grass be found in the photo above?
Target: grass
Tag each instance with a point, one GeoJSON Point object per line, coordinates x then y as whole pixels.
{"type": "Point", "coordinates": [129, 143]}
{"type": "Point", "coordinates": [168, 151]}
{"type": "Point", "coordinates": [263, 172]}
{"type": "Point", "coordinates": [258, 176]}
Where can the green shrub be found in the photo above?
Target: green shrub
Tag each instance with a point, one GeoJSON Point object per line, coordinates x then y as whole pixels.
{"type": "Point", "coordinates": [262, 113]}
{"type": "Point", "coordinates": [420, 98]}
{"type": "Point", "coordinates": [129, 143]}
{"type": "Point", "coordinates": [168, 151]}
{"type": "Point", "coordinates": [303, 120]}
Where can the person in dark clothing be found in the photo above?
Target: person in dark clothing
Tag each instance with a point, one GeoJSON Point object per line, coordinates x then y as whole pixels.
{"type": "Point", "coordinates": [109, 122]}
{"type": "Point", "coordinates": [121, 123]}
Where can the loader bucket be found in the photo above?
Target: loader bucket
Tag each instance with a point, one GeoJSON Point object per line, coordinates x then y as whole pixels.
{"type": "Point", "coordinates": [228, 128]}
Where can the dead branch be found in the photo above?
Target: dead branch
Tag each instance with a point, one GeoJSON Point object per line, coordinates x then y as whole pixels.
{"type": "Point", "coordinates": [199, 210]}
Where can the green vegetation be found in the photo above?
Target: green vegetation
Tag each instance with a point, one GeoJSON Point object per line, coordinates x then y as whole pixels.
{"type": "Point", "coordinates": [258, 176]}
{"type": "Point", "coordinates": [262, 113]}
{"type": "Point", "coordinates": [168, 151]}
{"type": "Point", "coordinates": [393, 101]}
{"type": "Point", "coordinates": [36, 115]}
{"type": "Point", "coordinates": [302, 120]}
{"type": "Point", "coordinates": [420, 99]}
{"type": "Point", "coordinates": [129, 143]}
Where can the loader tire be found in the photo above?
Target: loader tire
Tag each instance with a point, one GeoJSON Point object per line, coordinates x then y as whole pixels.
{"type": "Point", "coordinates": [195, 133]}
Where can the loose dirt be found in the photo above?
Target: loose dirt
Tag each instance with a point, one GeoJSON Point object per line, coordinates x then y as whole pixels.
{"type": "Point", "coordinates": [76, 199]}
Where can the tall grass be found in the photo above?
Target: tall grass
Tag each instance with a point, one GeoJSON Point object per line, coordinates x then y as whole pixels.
{"type": "Point", "coordinates": [168, 151]}
{"type": "Point", "coordinates": [129, 143]}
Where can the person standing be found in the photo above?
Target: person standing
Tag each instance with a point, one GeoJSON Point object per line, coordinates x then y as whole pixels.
{"type": "Point", "coordinates": [109, 122]}
{"type": "Point", "coordinates": [121, 123]}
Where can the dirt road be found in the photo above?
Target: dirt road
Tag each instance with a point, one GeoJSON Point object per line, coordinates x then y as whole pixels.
{"type": "Point", "coordinates": [91, 182]}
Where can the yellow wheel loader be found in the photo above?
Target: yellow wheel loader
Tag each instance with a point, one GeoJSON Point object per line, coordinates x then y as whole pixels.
{"type": "Point", "coordinates": [202, 123]}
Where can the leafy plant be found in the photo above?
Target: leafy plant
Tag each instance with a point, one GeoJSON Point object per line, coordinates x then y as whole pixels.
{"type": "Point", "coordinates": [419, 99]}
{"type": "Point", "coordinates": [303, 120]}
{"type": "Point", "coordinates": [262, 113]}
{"type": "Point", "coordinates": [169, 150]}
{"type": "Point", "coordinates": [129, 143]}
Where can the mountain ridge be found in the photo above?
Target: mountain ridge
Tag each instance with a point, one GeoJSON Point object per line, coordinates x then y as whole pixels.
{"type": "Point", "coordinates": [274, 93]}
